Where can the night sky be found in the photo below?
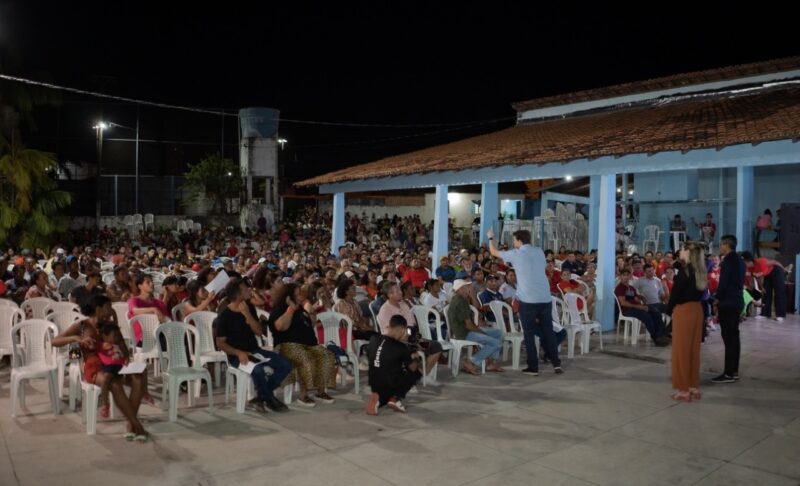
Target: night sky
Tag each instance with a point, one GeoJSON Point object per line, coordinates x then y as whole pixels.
{"type": "Point", "coordinates": [411, 63]}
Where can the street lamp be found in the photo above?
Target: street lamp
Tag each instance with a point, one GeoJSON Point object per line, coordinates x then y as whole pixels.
{"type": "Point", "coordinates": [99, 128]}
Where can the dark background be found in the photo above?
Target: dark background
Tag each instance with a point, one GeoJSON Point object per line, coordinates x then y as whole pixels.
{"type": "Point", "coordinates": [401, 63]}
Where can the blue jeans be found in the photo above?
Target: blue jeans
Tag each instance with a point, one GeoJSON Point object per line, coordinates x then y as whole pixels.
{"type": "Point", "coordinates": [491, 344]}
{"type": "Point", "coordinates": [537, 319]}
{"type": "Point", "coordinates": [267, 376]}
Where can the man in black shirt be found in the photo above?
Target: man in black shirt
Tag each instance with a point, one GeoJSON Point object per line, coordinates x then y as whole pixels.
{"type": "Point", "coordinates": [236, 330]}
{"type": "Point", "coordinates": [393, 368]}
{"type": "Point", "coordinates": [82, 294]}
{"type": "Point", "coordinates": [730, 303]}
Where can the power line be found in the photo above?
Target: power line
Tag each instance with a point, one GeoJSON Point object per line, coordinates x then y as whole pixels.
{"type": "Point", "coordinates": [228, 113]}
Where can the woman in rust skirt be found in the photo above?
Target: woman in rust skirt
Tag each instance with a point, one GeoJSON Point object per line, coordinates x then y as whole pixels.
{"type": "Point", "coordinates": [687, 322]}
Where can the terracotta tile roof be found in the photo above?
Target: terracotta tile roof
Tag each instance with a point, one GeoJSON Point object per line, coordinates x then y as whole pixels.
{"type": "Point", "coordinates": [712, 121]}
{"type": "Point", "coordinates": [658, 84]}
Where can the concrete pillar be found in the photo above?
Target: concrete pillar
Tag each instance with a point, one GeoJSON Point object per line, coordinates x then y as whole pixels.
{"type": "Point", "coordinates": [337, 229]}
{"type": "Point", "coordinates": [594, 211]}
{"type": "Point", "coordinates": [604, 308]}
{"type": "Point", "coordinates": [744, 208]}
{"type": "Point", "coordinates": [440, 225]}
{"type": "Point", "coordinates": [489, 210]}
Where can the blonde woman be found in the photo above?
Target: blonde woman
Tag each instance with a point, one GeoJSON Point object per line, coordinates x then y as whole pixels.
{"type": "Point", "coordinates": [690, 283]}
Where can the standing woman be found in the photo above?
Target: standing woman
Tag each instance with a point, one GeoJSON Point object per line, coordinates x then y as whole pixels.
{"type": "Point", "coordinates": [685, 305]}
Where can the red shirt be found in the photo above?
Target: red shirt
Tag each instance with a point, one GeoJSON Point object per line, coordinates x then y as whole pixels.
{"type": "Point", "coordinates": [417, 277]}
{"type": "Point", "coordinates": [713, 280]}
{"type": "Point", "coordinates": [564, 285]}
{"type": "Point", "coordinates": [232, 251]}
{"type": "Point", "coordinates": [761, 266]}
{"type": "Point", "coordinates": [670, 283]}
{"type": "Point", "coordinates": [662, 269]}
{"type": "Point", "coordinates": [555, 278]}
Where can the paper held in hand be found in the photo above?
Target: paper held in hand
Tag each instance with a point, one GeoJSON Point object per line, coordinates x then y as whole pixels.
{"type": "Point", "coordinates": [219, 282]}
{"type": "Point", "coordinates": [255, 359]}
{"type": "Point", "coordinates": [133, 368]}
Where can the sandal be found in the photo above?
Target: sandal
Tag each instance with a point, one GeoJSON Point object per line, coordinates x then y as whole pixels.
{"type": "Point", "coordinates": [682, 396]}
{"type": "Point", "coordinates": [141, 438]}
{"type": "Point", "coordinates": [129, 436]}
{"type": "Point", "coordinates": [495, 369]}
{"type": "Point", "coordinates": [695, 394]}
{"type": "Point", "coordinates": [105, 411]}
{"type": "Point", "coordinates": [148, 399]}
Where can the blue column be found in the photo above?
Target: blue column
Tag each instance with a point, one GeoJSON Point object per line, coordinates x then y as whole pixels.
{"type": "Point", "coordinates": [744, 208]}
{"type": "Point", "coordinates": [489, 210]}
{"type": "Point", "coordinates": [337, 230]}
{"type": "Point", "coordinates": [594, 211]}
{"type": "Point", "coordinates": [440, 226]}
{"type": "Point", "coordinates": [624, 199]}
{"type": "Point", "coordinates": [604, 308]}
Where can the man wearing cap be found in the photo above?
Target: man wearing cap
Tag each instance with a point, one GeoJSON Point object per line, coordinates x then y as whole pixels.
{"type": "Point", "coordinates": [73, 278]}
{"type": "Point", "coordinates": [488, 296]}
{"type": "Point", "coordinates": [460, 321]}
{"type": "Point", "coordinates": [533, 291]}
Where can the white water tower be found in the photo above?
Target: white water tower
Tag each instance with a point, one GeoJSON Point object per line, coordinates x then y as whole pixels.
{"type": "Point", "coordinates": [258, 152]}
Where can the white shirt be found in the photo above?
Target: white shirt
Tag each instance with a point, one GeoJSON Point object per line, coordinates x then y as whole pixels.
{"type": "Point", "coordinates": [508, 291]}
{"type": "Point", "coordinates": [429, 300]}
{"type": "Point", "coordinates": [529, 263]}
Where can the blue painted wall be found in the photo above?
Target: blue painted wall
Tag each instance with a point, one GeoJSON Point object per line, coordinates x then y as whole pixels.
{"type": "Point", "coordinates": [773, 186]}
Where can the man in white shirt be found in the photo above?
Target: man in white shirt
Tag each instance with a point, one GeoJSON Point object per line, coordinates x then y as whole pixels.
{"type": "Point", "coordinates": [533, 291]}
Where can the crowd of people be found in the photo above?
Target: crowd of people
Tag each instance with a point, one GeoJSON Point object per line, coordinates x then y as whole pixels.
{"type": "Point", "coordinates": [375, 280]}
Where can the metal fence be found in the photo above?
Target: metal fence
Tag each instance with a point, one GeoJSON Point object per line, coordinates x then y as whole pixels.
{"type": "Point", "coordinates": [551, 233]}
{"type": "Point", "coordinates": [157, 195]}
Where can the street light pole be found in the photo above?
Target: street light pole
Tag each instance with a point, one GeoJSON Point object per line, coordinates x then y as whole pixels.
{"type": "Point", "coordinates": [99, 128]}
{"type": "Point", "coordinates": [136, 189]}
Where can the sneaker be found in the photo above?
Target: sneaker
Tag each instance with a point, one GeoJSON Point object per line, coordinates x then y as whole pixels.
{"type": "Point", "coordinates": [257, 405]}
{"type": "Point", "coordinates": [558, 370]}
{"type": "Point", "coordinates": [735, 376]}
{"type": "Point", "coordinates": [723, 378]}
{"type": "Point", "coordinates": [373, 403]}
{"type": "Point", "coordinates": [779, 319]}
{"type": "Point", "coordinates": [276, 405]}
{"type": "Point", "coordinates": [531, 372]}
{"type": "Point", "coordinates": [760, 317]}
{"type": "Point", "coordinates": [662, 341]}
{"type": "Point", "coordinates": [324, 398]}
{"type": "Point", "coordinates": [307, 402]}
{"type": "Point", "coordinates": [414, 390]}
{"type": "Point", "coordinates": [396, 405]}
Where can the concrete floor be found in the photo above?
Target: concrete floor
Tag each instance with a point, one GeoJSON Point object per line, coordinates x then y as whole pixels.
{"type": "Point", "coordinates": [607, 420]}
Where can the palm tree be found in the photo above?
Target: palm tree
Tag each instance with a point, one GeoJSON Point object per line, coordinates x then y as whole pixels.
{"type": "Point", "coordinates": [30, 200]}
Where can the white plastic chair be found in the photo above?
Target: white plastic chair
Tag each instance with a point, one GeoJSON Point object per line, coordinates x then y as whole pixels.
{"type": "Point", "coordinates": [8, 303]}
{"type": "Point", "coordinates": [106, 267]}
{"type": "Point", "coordinates": [149, 220]}
{"type": "Point", "coordinates": [178, 370]}
{"type": "Point", "coordinates": [205, 352]}
{"type": "Point", "coordinates": [34, 308]}
{"type": "Point", "coordinates": [581, 318]}
{"type": "Point", "coordinates": [244, 386]}
{"type": "Point", "coordinates": [61, 307]}
{"type": "Point", "coordinates": [459, 344]}
{"type": "Point", "coordinates": [631, 325]}
{"type": "Point", "coordinates": [331, 322]}
{"type": "Point", "coordinates": [197, 227]}
{"type": "Point", "coordinates": [121, 310]}
{"type": "Point", "coordinates": [511, 334]}
{"type": "Point", "coordinates": [421, 316]}
{"type": "Point", "coordinates": [63, 320]}
{"type": "Point", "coordinates": [33, 356]}
{"type": "Point", "coordinates": [177, 313]}
{"type": "Point", "coordinates": [127, 221]}
{"type": "Point", "coordinates": [9, 317]}
{"type": "Point", "coordinates": [150, 349]}
{"type": "Point", "coordinates": [652, 235]}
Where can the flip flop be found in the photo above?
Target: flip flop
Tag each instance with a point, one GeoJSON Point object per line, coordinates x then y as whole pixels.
{"type": "Point", "coordinates": [471, 371]}
{"type": "Point", "coordinates": [141, 438]}
{"type": "Point", "coordinates": [129, 436]}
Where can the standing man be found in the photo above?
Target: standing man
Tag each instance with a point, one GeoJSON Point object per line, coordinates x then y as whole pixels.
{"type": "Point", "coordinates": [533, 291]}
{"type": "Point", "coordinates": [730, 303]}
